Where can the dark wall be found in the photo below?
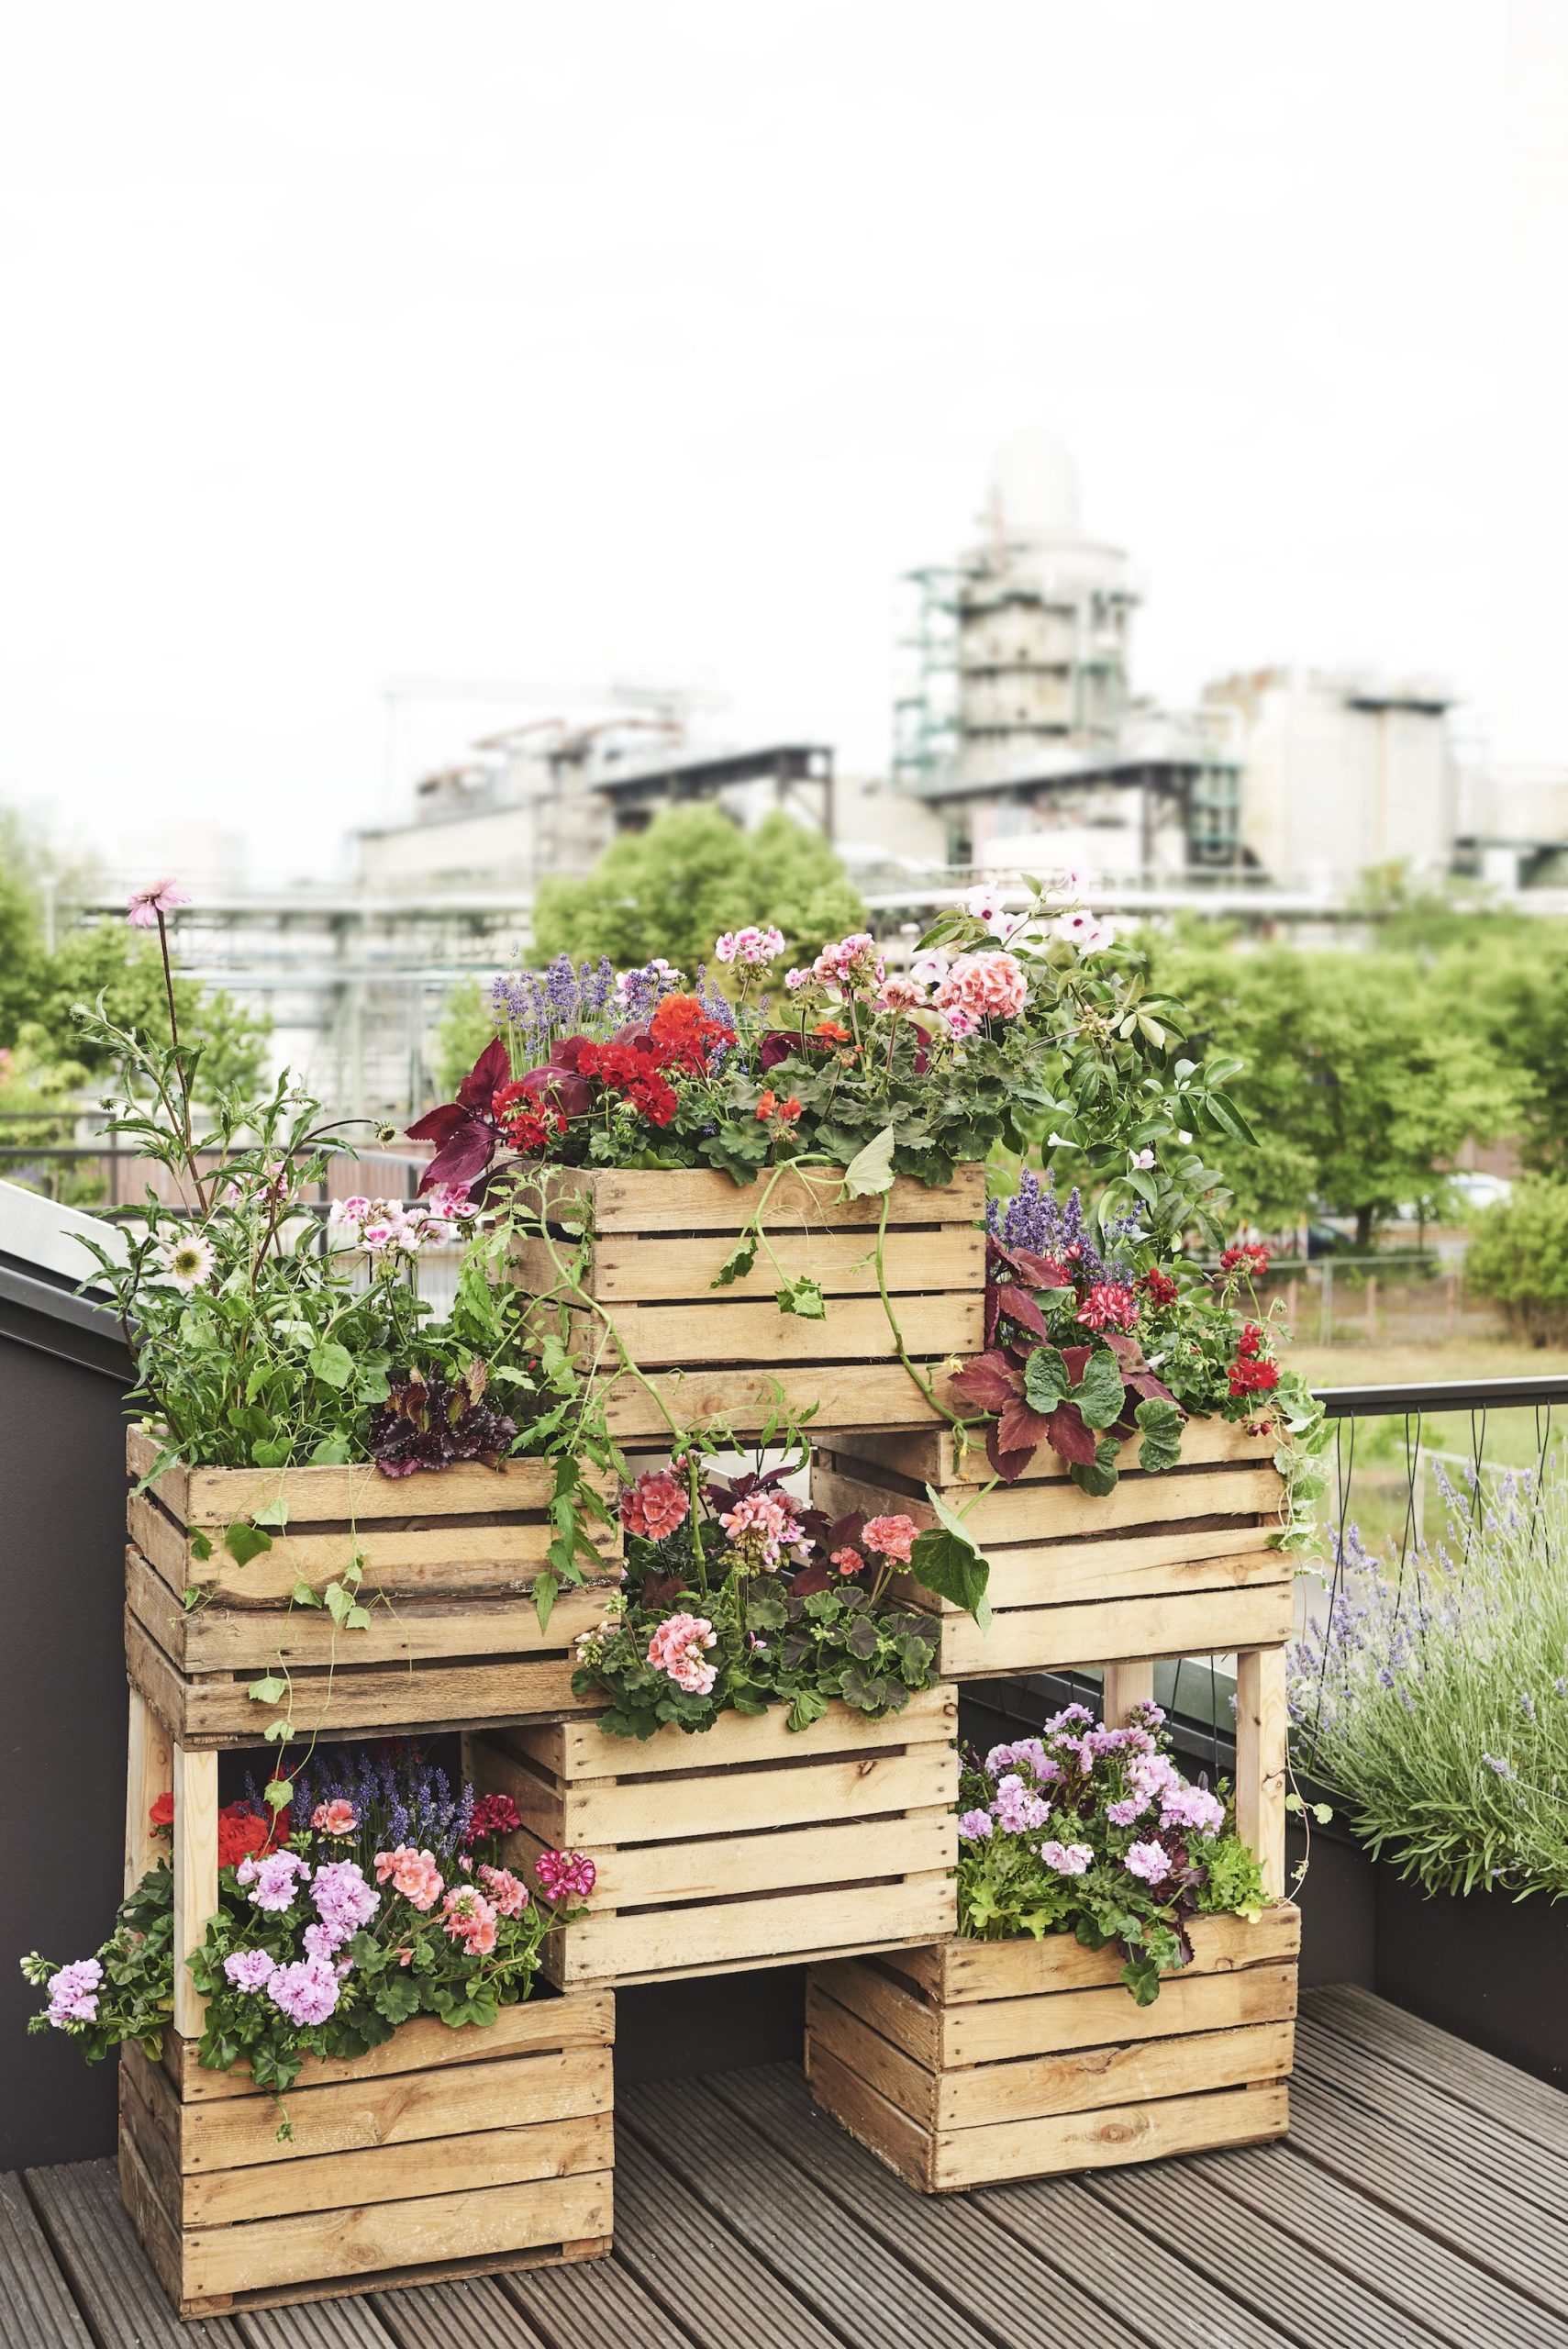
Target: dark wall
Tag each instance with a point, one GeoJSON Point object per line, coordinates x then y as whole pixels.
{"type": "Point", "coordinates": [62, 1710]}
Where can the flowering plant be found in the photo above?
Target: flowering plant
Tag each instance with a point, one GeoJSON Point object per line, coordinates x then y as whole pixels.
{"type": "Point", "coordinates": [1095, 1831]}
{"type": "Point", "coordinates": [737, 1596]}
{"type": "Point", "coordinates": [380, 1897]}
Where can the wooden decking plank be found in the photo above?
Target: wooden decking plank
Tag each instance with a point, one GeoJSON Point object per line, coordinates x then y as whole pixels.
{"type": "Point", "coordinates": [320, 2324]}
{"type": "Point", "coordinates": [36, 2309]}
{"type": "Point", "coordinates": [1415, 2271]}
{"type": "Point", "coordinates": [1532, 2173]}
{"type": "Point", "coordinates": [474, 2314]}
{"type": "Point", "coordinates": [1452, 2197]}
{"type": "Point", "coordinates": [945, 2239]}
{"type": "Point", "coordinates": [109, 2273]}
{"type": "Point", "coordinates": [685, 2255]}
{"type": "Point", "coordinates": [1143, 2282]}
{"type": "Point", "coordinates": [817, 2250]}
{"type": "Point", "coordinates": [591, 2304]}
{"type": "Point", "coordinates": [1530, 2107]}
{"type": "Point", "coordinates": [1229, 2244]}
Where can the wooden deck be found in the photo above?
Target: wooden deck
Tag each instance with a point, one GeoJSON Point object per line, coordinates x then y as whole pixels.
{"type": "Point", "coordinates": [1422, 2197]}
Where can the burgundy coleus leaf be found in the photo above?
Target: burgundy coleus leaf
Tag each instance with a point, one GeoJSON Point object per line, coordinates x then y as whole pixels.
{"type": "Point", "coordinates": [777, 1045]}
{"type": "Point", "coordinates": [1125, 1347]}
{"type": "Point", "coordinates": [1041, 1272]}
{"type": "Point", "coordinates": [1021, 1427]}
{"type": "Point", "coordinates": [1075, 1357]}
{"type": "Point", "coordinates": [438, 1125]}
{"type": "Point", "coordinates": [1009, 1465]}
{"type": "Point", "coordinates": [463, 1158]}
{"type": "Point", "coordinates": [814, 1576]}
{"type": "Point", "coordinates": [1022, 1308]}
{"type": "Point", "coordinates": [492, 1068]}
{"type": "Point", "coordinates": [1145, 1384]}
{"type": "Point", "coordinates": [987, 1382]}
{"type": "Point", "coordinates": [558, 1088]}
{"type": "Point", "coordinates": [1069, 1433]}
{"type": "Point", "coordinates": [660, 1590]}
{"type": "Point", "coordinates": [845, 1533]}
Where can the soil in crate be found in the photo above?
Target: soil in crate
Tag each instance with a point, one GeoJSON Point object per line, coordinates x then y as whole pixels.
{"type": "Point", "coordinates": [727, 1353]}
{"type": "Point", "coordinates": [1163, 1565]}
{"type": "Point", "coordinates": [440, 2153]}
{"type": "Point", "coordinates": [449, 1562]}
{"type": "Point", "coordinates": [745, 1845]}
{"type": "Point", "coordinates": [979, 2062]}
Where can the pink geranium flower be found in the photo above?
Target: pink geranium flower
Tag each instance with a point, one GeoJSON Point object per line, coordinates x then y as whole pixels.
{"type": "Point", "coordinates": [989, 985]}
{"type": "Point", "coordinates": [678, 1648]}
{"type": "Point", "coordinates": [144, 906]}
{"type": "Point", "coordinates": [893, 1537]}
{"type": "Point", "coordinates": [468, 1917]}
{"type": "Point", "coordinates": [336, 1817]}
{"type": "Point", "coordinates": [414, 1873]}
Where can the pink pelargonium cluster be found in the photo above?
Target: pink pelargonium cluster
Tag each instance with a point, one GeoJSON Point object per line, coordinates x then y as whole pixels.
{"type": "Point", "coordinates": [73, 1993]}
{"type": "Point", "coordinates": [656, 1505]}
{"type": "Point", "coordinates": [565, 1875]}
{"type": "Point", "coordinates": [271, 1882]}
{"type": "Point", "coordinates": [390, 1228]}
{"type": "Point", "coordinates": [509, 1893]}
{"type": "Point", "coordinates": [892, 1536]}
{"type": "Point", "coordinates": [468, 1917]}
{"type": "Point", "coordinates": [413, 1874]}
{"type": "Point", "coordinates": [335, 1818]}
{"type": "Point", "coordinates": [306, 1991]}
{"type": "Point", "coordinates": [752, 945]}
{"type": "Point", "coordinates": [987, 986]}
{"type": "Point", "coordinates": [342, 1899]}
{"type": "Point", "coordinates": [761, 1528]}
{"type": "Point", "coordinates": [678, 1647]}
{"type": "Point", "coordinates": [854, 962]}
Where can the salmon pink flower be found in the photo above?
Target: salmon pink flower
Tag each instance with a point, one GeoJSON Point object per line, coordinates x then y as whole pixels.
{"type": "Point", "coordinates": [893, 1537]}
{"type": "Point", "coordinates": [336, 1817]}
{"type": "Point", "coordinates": [677, 1647]}
{"type": "Point", "coordinates": [987, 986]}
{"type": "Point", "coordinates": [656, 1505]}
{"type": "Point", "coordinates": [468, 1917]}
{"type": "Point", "coordinates": [413, 1874]}
{"type": "Point", "coordinates": [509, 1892]}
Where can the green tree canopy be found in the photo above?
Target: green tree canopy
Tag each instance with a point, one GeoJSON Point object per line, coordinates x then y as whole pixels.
{"type": "Point", "coordinates": [673, 889]}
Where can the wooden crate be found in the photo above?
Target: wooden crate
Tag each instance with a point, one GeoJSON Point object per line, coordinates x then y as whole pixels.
{"type": "Point", "coordinates": [746, 1845]}
{"type": "Point", "coordinates": [1169, 1564]}
{"type": "Point", "coordinates": [977, 2062]}
{"type": "Point", "coordinates": [440, 2153]}
{"type": "Point", "coordinates": [448, 1565]}
{"type": "Point", "coordinates": [724, 1354]}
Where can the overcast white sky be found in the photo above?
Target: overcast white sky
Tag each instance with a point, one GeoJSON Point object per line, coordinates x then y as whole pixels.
{"type": "Point", "coordinates": [357, 341]}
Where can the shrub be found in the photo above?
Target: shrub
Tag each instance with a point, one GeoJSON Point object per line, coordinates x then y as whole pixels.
{"type": "Point", "coordinates": [1519, 1257]}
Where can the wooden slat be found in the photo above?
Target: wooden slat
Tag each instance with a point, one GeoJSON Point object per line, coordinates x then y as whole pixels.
{"type": "Point", "coordinates": [955, 2248]}
{"type": "Point", "coordinates": [1058, 1511]}
{"type": "Point", "coordinates": [854, 1329]}
{"type": "Point", "coordinates": [963, 1971]}
{"type": "Point", "coordinates": [649, 1269]}
{"type": "Point", "coordinates": [870, 1989]}
{"type": "Point", "coordinates": [722, 1866]}
{"type": "Point", "coordinates": [1467, 2075]}
{"type": "Point", "coordinates": [545, 2021]}
{"type": "Point", "coordinates": [1054, 1639]}
{"type": "Point", "coordinates": [1108, 2136]}
{"type": "Point", "coordinates": [580, 1750]}
{"type": "Point", "coordinates": [1261, 1761]}
{"type": "Point", "coordinates": [1137, 2071]}
{"type": "Point", "coordinates": [933, 1455]}
{"type": "Point", "coordinates": [699, 1199]}
{"type": "Point", "coordinates": [998, 2029]}
{"type": "Point", "coordinates": [149, 1773]}
{"type": "Point", "coordinates": [1222, 1554]}
{"type": "Point", "coordinates": [36, 2309]}
{"type": "Point", "coordinates": [822, 2255]}
{"type": "Point", "coordinates": [356, 1495]}
{"type": "Point", "coordinates": [672, 1810]}
{"type": "Point", "coordinates": [735, 1935]}
{"type": "Point", "coordinates": [821, 1396]}
{"type": "Point", "coordinates": [105, 2267]}
{"type": "Point", "coordinates": [195, 1877]}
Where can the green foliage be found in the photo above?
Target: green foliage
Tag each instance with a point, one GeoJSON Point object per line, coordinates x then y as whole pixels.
{"type": "Point", "coordinates": [673, 889]}
{"type": "Point", "coordinates": [1518, 1256]}
{"type": "Point", "coordinates": [1434, 1701]}
{"type": "Point", "coordinates": [123, 966]}
{"type": "Point", "coordinates": [461, 1033]}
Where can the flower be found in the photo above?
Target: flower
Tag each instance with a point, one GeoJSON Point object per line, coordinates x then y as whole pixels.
{"type": "Point", "coordinates": [1109, 1305]}
{"type": "Point", "coordinates": [847, 1561]}
{"type": "Point", "coordinates": [342, 1899]}
{"type": "Point", "coordinates": [250, 1969]}
{"type": "Point", "coordinates": [1147, 1861]}
{"type": "Point", "coordinates": [335, 1818]}
{"type": "Point", "coordinates": [414, 1873]}
{"type": "Point", "coordinates": [1160, 1289]}
{"type": "Point", "coordinates": [1253, 1378]}
{"type": "Point", "coordinates": [1243, 1257]}
{"type": "Point", "coordinates": [987, 986]}
{"type": "Point", "coordinates": [677, 1647]}
{"type": "Point", "coordinates": [564, 1876]}
{"type": "Point", "coordinates": [901, 995]}
{"type": "Point", "coordinates": [656, 1505]}
{"type": "Point", "coordinates": [509, 1892]}
{"type": "Point", "coordinates": [1016, 1810]}
{"type": "Point", "coordinates": [189, 1262]}
{"type": "Point", "coordinates": [73, 1993]}
{"type": "Point", "coordinates": [1068, 1859]}
{"type": "Point", "coordinates": [468, 1917]}
{"type": "Point", "coordinates": [926, 970]}
{"type": "Point", "coordinates": [974, 1826]}
{"type": "Point", "coordinates": [852, 963]}
{"type": "Point", "coordinates": [163, 1811]}
{"type": "Point", "coordinates": [1143, 1160]}
{"type": "Point", "coordinates": [144, 906]}
{"type": "Point", "coordinates": [1083, 930]}
{"type": "Point", "coordinates": [761, 1528]}
{"type": "Point", "coordinates": [276, 1879]}
{"type": "Point", "coordinates": [893, 1537]}
{"type": "Point", "coordinates": [306, 1991]}
{"type": "Point", "coordinates": [1193, 1806]}
{"type": "Point", "coordinates": [1500, 1764]}
{"type": "Point", "coordinates": [750, 945]}
{"type": "Point", "coordinates": [492, 1815]}
{"type": "Point", "coordinates": [688, 1034]}
{"type": "Point", "coordinates": [1130, 1806]}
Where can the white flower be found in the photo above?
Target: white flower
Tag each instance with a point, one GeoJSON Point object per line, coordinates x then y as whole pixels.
{"type": "Point", "coordinates": [1143, 1159]}
{"type": "Point", "coordinates": [1182, 1136]}
{"type": "Point", "coordinates": [1072, 886]}
{"type": "Point", "coordinates": [926, 970]}
{"type": "Point", "coordinates": [188, 1261]}
{"type": "Point", "coordinates": [1057, 1142]}
{"type": "Point", "coordinates": [1085, 930]}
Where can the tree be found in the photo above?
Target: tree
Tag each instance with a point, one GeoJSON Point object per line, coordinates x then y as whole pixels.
{"type": "Point", "coordinates": [461, 1033]}
{"type": "Point", "coordinates": [1506, 981]}
{"type": "Point", "coordinates": [1519, 1257]}
{"type": "Point", "coordinates": [1359, 1087]}
{"type": "Point", "coordinates": [106, 958]}
{"type": "Point", "coordinates": [673, 889]}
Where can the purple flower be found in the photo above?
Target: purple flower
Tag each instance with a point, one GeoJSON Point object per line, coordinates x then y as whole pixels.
{"type": "Point", "coordinates": [1131, 1807]}
{"type": "Point", "coordinates": [1193, 1806]}
{"type": "Point", "coordinates": [306, 1991]}
{"type": "Point", "coordinates": [1503, 1767]}
{"type": "Point", "coordinates": [344, 1901]}
{"type": "Point", "coordinates": [1068, 1859]}
{"type": "Point", "coordinates": [974, 1826]}
{"type": "Point", "coordinates": [1148, 1861]}
{"type": "Point", "coordinates": [275, 1879]}
{"type": "Point", "coordinates": [1017, 1811]}
{"type": "Point", "coordinates": [250, 1969]}
{"type": "Point", "coordinates": [73, 1993]}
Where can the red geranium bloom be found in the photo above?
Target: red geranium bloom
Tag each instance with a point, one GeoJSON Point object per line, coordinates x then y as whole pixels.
{"type": "Point", "coordinates": [492, 1815]}
{"type": "Point", "coordinates": [1160, 1288]}
{"type": "Point", "coordinates": [687, 1034]}
{"type": "Point", "coordinates": [163, 1811]}
{"type": "Point", "coordinates": [1244, 1258]}
{"type": "Point", "coordinates": [1253, 1378]}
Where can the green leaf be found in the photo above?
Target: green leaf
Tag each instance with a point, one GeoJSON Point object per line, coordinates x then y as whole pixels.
{"type": "Point", "coordinates": [737, 1263]}
{"type": "Point", "coordinates": [545, 1588]}
{"type": "Point", "coordinates": [276, 1732]}
{"type": "Point", "coordinates": [274, 1513]}
{"type": "Point", "coordinates": [200, 1544]}
{"type": "Point", "coordinates": [332, 1363]}
{"type": "Point", "coordinates": [803, 1296]}
{"type": "Point", "coordinates": [1046, 1380]}
{"type": "Point", "coordinates": [303, 1595]}
{"type": "Point", "coordinates": [244, 1542]}
{"type": "Point", "coordinates": [1161, 1425]}
{"type": "Point", "coordinates": [871, 1169]}
{"type": "Point", "coordinates": [277, 1792]}
{"type": "Point", "coordinates": [945, 1560]}
{"type": "Point", "coordinates": [1098, 1476]}
{"type": "Point", "coordinates": [332, 1451]}
{"type": "Point", "coordinates": [269, 1690]}
{"type": "Point", "coordinates": [1100, 1394]}
{"type": "Point", "coordinates": [809, 1706]}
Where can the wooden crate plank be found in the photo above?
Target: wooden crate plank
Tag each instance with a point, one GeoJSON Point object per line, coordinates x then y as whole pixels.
{"type": "Point", "coordinates": [699, 1199]}
{"type": "Point", "coordinates": [963, 1970]}
{"type": "Point", "coordinates": [822, 2254]}
{"type": "Point", "coordinates": [998, 2029]}
{"type": "Point", "coordinates": [356, 1697]}
{"type": "Point", "coordinates": [650, 1269]}
{"type": "Point", "coordinates": [1136, 2071]}
{"type": "Point", "coordinates": [870, 1989]}
{"type": "Point", "coordinates": [386, 2175]}
{"type": "Point", "coordinates": [546, 2021]}
{"type": "Point", "coordinates": [150, 1773]}
{"type": "Point", "coordinates": [1050, 1638]}
{"type": "Point", "coordinates": [788, 1928]}
{"type": "Point", "coordinates": [1224, 1556]}
{"type": "Point", "coordinates": [820, 1395]}
{"type": "Point", "coordinates": [355, 1495]}
{"type": "Point", "coordinates": [675, 1811]}
{"type": "Point", "coordinates": [1108, 2136]}
{"type": "Point", "coordinates": [109, 2272]}
{"type": "Point", "coordinates": [1421, 2276]}
{"type": "Point", "coordinates": [1063, 1513]}
{"type": "Point", "coordinates": [722, 1866]}
{"type": "Point", "coordinates": [934, 1456]}
{"type": "Point", "coordinates": [580, 1750]}
{"type": "Point", "coordinates": [958, 2249]}
{"type": "Point", "coordinates": [36, 2309]}
{"type": "Point", "coordinates": [846, 2038]}
{"type": "Point", "coordinates": [1466, 2074]}
{"type": "Point", "coordinates": [1262, 1755]}
{"type": "Point", "coordinates": [852, 1330]}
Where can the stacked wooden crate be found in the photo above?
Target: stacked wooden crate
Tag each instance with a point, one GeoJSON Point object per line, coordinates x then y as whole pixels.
{"type": "Point", "coordinates": [977, 2060]}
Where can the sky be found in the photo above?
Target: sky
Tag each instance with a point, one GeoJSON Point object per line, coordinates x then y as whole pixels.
{"type": "Point", "coordinates": [372, 342]}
